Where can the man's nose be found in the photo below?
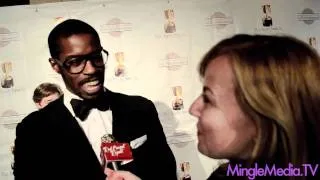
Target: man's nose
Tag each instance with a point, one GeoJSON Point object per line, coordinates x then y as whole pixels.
{"type": "Point", "coordinates": [89, 68]}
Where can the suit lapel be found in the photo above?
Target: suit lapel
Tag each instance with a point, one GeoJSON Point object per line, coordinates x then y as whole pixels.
{"type": "Point", "coordinates": [127, 118]}
{"type": "Point", "coordinates": [120, 115]}
{"type": "Point", "coordinates": [73, 136]}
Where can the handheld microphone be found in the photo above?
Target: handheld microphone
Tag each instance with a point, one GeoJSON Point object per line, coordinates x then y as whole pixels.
{"type": "Point", "coordinates": [114, 151]}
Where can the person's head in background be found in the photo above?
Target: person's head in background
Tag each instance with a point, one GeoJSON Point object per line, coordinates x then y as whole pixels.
{"type": "Point", "coordinates": [76, 54]}
{"type": "Point", "coordinates": [46, 93]}
{"type": "Point", "coordinates": [260, 101]}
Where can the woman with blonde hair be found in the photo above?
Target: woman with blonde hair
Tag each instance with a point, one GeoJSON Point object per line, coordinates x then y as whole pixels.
{"type": "Point", "coordinates": [260, 108]}
{"type": "Point", "coordinates": [260, 105]}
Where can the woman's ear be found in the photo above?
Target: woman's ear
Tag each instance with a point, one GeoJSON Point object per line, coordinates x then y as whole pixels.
{"type": "Point", "coordinates": [54, 65]}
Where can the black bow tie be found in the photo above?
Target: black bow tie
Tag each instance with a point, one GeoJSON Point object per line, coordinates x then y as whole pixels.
{"type": "Point", "coordinates": [82, 108]}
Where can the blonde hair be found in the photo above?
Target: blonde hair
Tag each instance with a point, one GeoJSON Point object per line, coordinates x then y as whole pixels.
{"type": "Point", "coordinates": [277, 84]}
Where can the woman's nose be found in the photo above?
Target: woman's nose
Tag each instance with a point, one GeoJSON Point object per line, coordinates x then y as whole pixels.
{"type": "Point", "coordinates": [195, 107]}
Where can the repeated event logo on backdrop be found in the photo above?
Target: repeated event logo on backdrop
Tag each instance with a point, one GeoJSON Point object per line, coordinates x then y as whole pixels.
{"type": "Point", "coordinates": [115, 27]}
{"type": "Point", "coordinates": [219, 20]}
{"type": "Point", "coordinates": [6, 36]}
{"type": "Point", "coordinates": [308, 16]}
{"type": "Point", "coordinates": [173, 61]}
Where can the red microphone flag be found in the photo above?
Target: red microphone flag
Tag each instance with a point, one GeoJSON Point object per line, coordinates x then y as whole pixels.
{"type": "Point", "coordinates": [115, 151]}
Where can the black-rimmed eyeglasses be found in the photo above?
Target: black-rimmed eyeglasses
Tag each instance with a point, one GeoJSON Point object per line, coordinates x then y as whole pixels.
{"type": "Point", "coordinates": [76, 64]}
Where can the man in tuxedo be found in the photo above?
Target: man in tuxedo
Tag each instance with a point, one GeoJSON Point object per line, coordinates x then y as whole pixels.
{"type": "Point", "coordinates": [62, 140]}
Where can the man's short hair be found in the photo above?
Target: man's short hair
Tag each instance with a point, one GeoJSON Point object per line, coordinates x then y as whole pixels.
{"type": "Point", "coordinates": [66, 29]}
{"type": "Point", "coordinates": [45, 90]}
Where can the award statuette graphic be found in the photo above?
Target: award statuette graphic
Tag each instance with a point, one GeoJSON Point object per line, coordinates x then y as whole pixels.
{"type": "Point", "coordinates": [177, 103]}
{"type": "Point", "coordinates": [170, 24]}
{"type": "Point", "coordinates": [120, 69]}
{"type": "Point", "coordinates": [7, 79]}
{"type": "Point", "coordinates": [113, 151]}
{"type": "Point", "coordinates": [266, 19]}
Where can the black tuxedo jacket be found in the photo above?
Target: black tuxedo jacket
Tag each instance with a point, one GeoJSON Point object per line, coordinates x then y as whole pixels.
{"type": "Point", "coordinates": [50, 144]}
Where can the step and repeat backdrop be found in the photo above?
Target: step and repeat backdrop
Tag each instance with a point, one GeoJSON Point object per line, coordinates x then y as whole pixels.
{"type": "Point", "coordinates": [155, 47]}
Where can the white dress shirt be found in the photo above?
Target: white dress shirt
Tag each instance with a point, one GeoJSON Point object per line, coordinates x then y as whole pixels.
{"type": "Point", "coordinates": [97, 124]}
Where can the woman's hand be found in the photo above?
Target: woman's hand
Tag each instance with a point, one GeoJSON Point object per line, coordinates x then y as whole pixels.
{"type": "Point", "coordinates": [120, 175]}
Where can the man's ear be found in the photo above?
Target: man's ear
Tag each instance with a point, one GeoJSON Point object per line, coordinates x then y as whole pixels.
{"type": "Point", "coordinates": [38, 105]}
{"type": "Point", "coordinates": [54, 65]}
